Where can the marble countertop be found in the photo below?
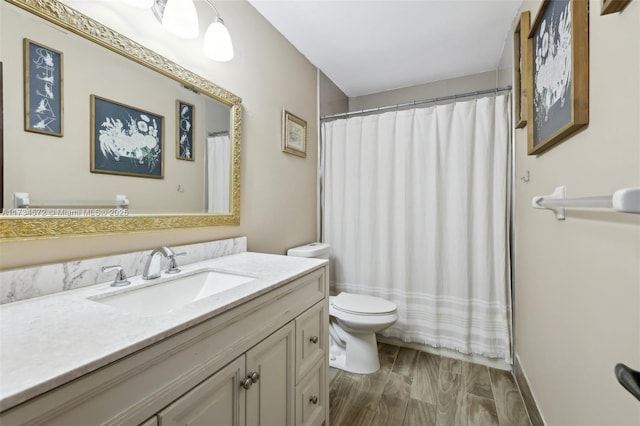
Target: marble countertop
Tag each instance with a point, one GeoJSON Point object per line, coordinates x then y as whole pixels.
{"type": "Point", "coordinates": [51, 340]}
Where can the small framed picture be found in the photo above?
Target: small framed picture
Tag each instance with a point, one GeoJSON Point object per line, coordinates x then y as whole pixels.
{"type": "Point", "coordinates": [126, 140]}
{"type": "Point", "coordinates": [185, 126]}
{"type": "Point", "coordinates": [558, 80]}
{"type": "Point", "coordinates": [43, 89]}
{"type": "Point", "coordinates": [294, 134]}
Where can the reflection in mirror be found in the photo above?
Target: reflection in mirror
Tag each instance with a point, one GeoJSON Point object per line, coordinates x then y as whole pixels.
{"type": "Point", "coordinates": [57, 170]}
{"type": "Point", "coordinates": [217, 164]}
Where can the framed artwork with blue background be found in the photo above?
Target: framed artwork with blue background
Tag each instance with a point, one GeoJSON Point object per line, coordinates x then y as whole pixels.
{"type": "Point", "coordinates": [43, 89]}
{"type": "Point", "coordinates": [185, 126]}
{"type": "Point", "coordinates": [558, 47]}
{"type": "Point", "coordinates": [126, 140]}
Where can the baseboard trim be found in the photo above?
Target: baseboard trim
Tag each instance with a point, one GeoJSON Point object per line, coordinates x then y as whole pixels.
{"type": "Point", "coordinates": [529, 401]}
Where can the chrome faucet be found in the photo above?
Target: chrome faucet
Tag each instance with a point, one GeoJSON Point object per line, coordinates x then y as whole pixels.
{"type": "Point", "coordinates": [154, 263]}
{"type": "Point", "coordinates": [120, 279]}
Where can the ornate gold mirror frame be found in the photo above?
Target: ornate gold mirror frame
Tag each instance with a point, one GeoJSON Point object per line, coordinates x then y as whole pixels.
{"type": "Point", "coordinates": [12, 228]}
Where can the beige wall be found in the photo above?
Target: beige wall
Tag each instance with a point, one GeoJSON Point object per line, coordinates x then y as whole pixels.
{"type": "Point", "coordinates": [470, 83]}
{"type": "Point", "coordinates": [577, 287]}
{"type": "Point", "coordinates": [332, 100]}
{"type": "Point", "coordinates": [278, 201]}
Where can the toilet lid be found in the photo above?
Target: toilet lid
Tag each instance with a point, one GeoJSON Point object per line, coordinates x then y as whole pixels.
{"type": "Point", "coordinates": [363, 304]}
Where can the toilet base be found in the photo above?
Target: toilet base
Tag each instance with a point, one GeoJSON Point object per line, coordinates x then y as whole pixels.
{"type": "Point", "coordinates": [362, 354]}
{"type": "Point", "coordinates": [337, 361]}
{"type": "Point", "coordinates": [358, 352]}
{"type": "Point", "coordinates": [337, 351]}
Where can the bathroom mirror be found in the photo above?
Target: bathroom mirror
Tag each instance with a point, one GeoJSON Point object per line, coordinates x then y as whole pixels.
{"type": "Point", "coordinates": [196, 187]}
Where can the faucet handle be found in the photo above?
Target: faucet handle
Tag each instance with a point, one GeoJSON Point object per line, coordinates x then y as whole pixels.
{"type": "Point", "coordinates": [173, 266]}
{"type": "Point", "coordinates": [121, 277]}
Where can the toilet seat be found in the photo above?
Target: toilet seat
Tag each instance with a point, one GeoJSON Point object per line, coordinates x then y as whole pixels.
{"type": "Point", "coordinates": [359, 304]}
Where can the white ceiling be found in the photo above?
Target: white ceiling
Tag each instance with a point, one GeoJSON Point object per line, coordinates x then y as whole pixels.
{"type": "Point", "coordinates": [368, 46]}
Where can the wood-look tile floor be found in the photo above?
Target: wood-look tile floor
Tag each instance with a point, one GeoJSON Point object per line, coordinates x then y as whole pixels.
{"type": "Point", "coordinates": [421, 389]}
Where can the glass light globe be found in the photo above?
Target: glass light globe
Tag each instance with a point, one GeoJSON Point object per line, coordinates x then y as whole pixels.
{"type": "Point", "coordinates": [180, 18]}
{"type": "Point", "coordinates": [217, 42]}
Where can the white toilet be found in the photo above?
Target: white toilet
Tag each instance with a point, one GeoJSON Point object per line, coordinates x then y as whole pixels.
{"type": "Point", "coordinates": [354, 321]}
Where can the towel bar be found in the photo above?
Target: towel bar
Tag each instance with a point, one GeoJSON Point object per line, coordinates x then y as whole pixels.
{"type": "Point", "coordinates": [21, 200]}
{"type": "Point", "coordinates": [626, 200]}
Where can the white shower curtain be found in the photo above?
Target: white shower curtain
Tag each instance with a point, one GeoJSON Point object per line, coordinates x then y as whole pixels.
{"type": "Point", "coordinates": [218, 171]}
{"type": "Point", "coordinates": [416, 211]}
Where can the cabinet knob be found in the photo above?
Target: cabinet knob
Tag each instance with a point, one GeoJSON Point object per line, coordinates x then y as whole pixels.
{"type": "Point", "coordinates": [313, 339]}
{"type": "Point", "coordinates": [246, 383]}
{"type": "Point", "coordinates": [254, 376]}
{"type": "Point", "coordinates": [313, 399]}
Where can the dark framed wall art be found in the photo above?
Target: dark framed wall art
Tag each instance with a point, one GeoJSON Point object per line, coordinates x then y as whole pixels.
{"type": "Point", "coordinates": [185, 127]}
{"type": "Point", "coordinates": [43, 89]}
{"type": "Point", "coordinates": [126, 140]}
{"type": "Point", "coordinates": [559, 79]}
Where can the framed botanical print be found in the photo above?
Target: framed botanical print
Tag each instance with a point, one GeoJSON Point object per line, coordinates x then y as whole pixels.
{"type": "Point", "coordinates": [558, 80]}
{"type": "Point", "coordinates": [294, 134]}
{"type": "Point", "coordinates": [43, 89]}
{"type": "Point", "coordinates": [126, 140]}
{"type": "Point", "coordinates": [185, 128]}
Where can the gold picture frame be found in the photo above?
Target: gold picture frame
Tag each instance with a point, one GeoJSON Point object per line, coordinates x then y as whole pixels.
{"type": "Point", "coordinates": [521, 64]}
{"type": "Point", "coordinates": [294, 134]}
{"type": "Point", "coordinates": [43, 89]}
{"type": "Point", "coordinates": [558, 101]}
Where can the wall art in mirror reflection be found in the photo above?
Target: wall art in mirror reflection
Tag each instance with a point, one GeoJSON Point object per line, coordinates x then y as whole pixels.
{"type": "Point", "coordinates": [43, 89]}
{"type": "Point", "coordinates": [185, 125]}
{"type": "Point", "coordinates": [125, 140]}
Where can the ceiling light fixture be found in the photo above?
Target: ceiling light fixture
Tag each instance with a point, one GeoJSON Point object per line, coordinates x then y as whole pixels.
{"type": "Point", "coordinates": [181, 19]}
{"type": "Point", "coordinates": [217, 43]}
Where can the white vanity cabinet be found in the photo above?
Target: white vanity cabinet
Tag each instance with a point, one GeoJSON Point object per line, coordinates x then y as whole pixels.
{"type": "Point", "coordinates": [231, 397]}
{"type": "Point", "coordinates": [262, 362]}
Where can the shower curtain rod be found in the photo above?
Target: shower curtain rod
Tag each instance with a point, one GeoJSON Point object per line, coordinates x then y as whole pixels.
{"type": "Point", "coordinates": [424, 101]}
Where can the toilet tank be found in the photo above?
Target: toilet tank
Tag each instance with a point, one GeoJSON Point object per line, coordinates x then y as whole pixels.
{"type": "Point", "coordinates": [316, 250]}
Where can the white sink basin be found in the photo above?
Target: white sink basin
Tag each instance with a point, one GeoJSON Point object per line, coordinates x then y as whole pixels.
{"type": "Point", "coordinates": [164, 297]}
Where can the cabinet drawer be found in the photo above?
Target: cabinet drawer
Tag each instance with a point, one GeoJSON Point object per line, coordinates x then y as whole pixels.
{"type": "Point", "coordinates": [311, 397]}
{"type": "Point", "coordinates": [311, 338]}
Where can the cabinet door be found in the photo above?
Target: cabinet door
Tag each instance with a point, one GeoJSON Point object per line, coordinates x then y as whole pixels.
{"type": "Point", "coordinates": [270, 400]}
{"type": "Point", "coordinates": [219, 400]}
